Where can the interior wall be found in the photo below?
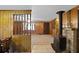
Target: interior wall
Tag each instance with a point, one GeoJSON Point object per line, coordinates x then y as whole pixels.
{"type": "Point", "coordinates": [6, 24]}
{"type": "Point", "coordinates": [51, 27]}
{"type": "Point", "coordinates": [6, 21]}
{"type": "Point", "coordinates": [64, 22]}
{"type": "Point", "coordinates": [70, 18]}
{"type": "Point", "coordinates": [54, 27]}
{"type": "Point", "coordinates": [23, 44]}
{"type": "Point", "coordinates": [74, 17]}
{"type": "Point", "coordinates": [39, 27]}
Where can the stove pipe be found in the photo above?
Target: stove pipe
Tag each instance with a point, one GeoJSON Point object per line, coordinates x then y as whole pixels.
{"type": "Point", "coordinates": [62, 40]}
{"type": "Point", "coordinates": [60, 13]}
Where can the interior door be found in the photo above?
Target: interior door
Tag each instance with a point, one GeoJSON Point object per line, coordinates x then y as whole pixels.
{"type": "Point", "coordinates": [46, 28]}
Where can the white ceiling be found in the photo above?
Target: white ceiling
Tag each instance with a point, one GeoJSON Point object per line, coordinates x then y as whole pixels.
{"type": "Point", "coordinates": [39, 12]}
{"type": "Point", "coordinates": [47, 12]}
{"type": "Point", "coordinates": [15, 7]}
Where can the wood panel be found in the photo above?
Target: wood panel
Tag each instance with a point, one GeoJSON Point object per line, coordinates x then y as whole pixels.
{"type": "Point", "coordinates": [64, 19]}
{"type": "Point", "coordinates": [51, 27]}
{"type": "Point", "coordinates": [6, 21]}
{"type": "Point", "coordinates": [74, 18]}
{"type": "Point", "coordinates": [6, 30]}
{"type": "Point", "coordinates": [56, 29]}
{"type": "Point", "coordinates": [70, 23]}
{"type": "Point", "coordinates": [21, 43]}
{"type": "Point", "coordinates": [39, 27]}
{"type": "Point", "coordinates": [6, 24]}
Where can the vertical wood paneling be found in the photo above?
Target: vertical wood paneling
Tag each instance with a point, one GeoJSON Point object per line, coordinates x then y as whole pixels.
{"type": "Point", "coordinates": [64, 19]}
{"type": "Point", "coordinates": [39, 27]}
{"type": "Point", "coordinates": [74, 18]}
{"type": "Point", "coordinates": [6, 29]}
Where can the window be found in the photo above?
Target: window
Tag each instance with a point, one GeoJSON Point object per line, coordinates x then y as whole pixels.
{"type": "Point", "coordinates": [23, 22]}
{"type": "Point", "coordinates": [29, 27]}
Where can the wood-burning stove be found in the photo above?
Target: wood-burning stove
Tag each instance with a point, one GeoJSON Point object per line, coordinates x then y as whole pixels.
{"type": "Point", "coordinates": [60, 41]}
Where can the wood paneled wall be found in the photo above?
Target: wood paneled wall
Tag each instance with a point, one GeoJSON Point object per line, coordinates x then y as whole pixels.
{"type": "Point", "coordinates": [39, 27]}
{"type": "Point", "coordinates": [71, 17]}
{"type": "Point", "coordinates": [74, 17]}
{"type": "Point", "coordinates": [64, 19]}
{"type": "Point", "coordinates": [51, 27]}
{"type": "Point", "coordinates": [54, 27]}
{"type": "Point", "coordinates": [22, 43]}
{"type": "Point", "coordinates": [6, 21]}
{"type": "Point", "coordinates": [6, 24]}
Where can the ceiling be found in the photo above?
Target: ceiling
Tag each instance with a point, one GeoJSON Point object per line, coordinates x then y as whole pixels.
{"type": "Point", "coordinates": [47, 12]}
{"type": "Point", "coordinates": [39, 12]}
{"type": "Point", "coordinates": [15, 7]}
